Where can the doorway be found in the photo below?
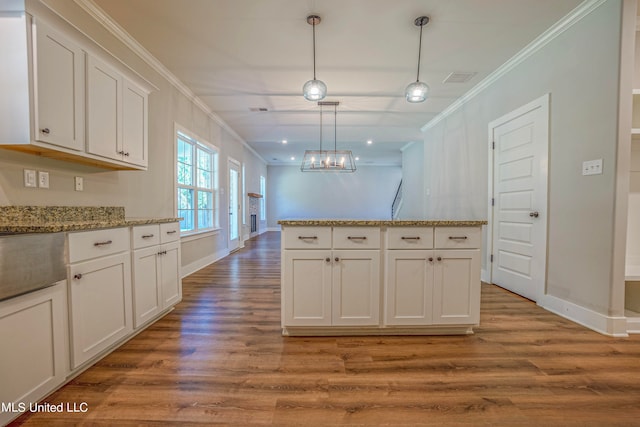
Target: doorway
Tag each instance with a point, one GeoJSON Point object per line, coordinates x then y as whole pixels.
{"type": "Point", "coordinates": [518, 186]}
{"type": "Point", "coordinates": [234, 205]}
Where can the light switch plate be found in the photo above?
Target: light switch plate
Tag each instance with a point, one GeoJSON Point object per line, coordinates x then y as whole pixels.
{"type": "Point", "coordinates": [79, 183]}
{"type": "Point", "coordinates": [592, 167]}
{"type": "Point", "coordinates": [30, 178]}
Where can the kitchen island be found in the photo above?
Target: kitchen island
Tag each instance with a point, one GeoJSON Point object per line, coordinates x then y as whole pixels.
{"type": "Point", "coordinates": [377, 277]}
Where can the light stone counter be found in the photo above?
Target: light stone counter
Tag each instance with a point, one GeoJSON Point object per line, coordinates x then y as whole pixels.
{"type": "Point", "coordinates": [380, 223]}
{"type": "Point", "coordinates": [53, 219]}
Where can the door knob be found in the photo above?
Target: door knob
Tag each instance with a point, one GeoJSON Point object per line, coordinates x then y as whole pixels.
{"type": "Point", "coordinates": [534, 214]}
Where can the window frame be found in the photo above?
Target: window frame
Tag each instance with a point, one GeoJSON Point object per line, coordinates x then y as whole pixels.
{"type": "Point", "coordinates": [196, 142]}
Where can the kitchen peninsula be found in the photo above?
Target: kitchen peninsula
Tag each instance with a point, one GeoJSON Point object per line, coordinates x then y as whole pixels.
{"type": "Point", "coordinates": [373, 277]}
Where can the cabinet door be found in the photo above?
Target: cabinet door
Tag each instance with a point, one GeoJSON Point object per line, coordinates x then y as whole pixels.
{"type": "Point", "coordinates": [456, 292]}
{"type": "Point", "coordinates": [147, 300]}
{"type": "Point", "coordinates": [306, 288]}
{"type": "Point", "coordinates": [134, 124]}
{"type": "Point", "coordinates": [59, 89]}
{"type": "Point", "coordinates": [100, 305]}
{"type": "Point", "coordinates": [104, 126]}
{"type": "Point", "coordinates": [32, 333]}
{"type": "Point", "coordinates": [171, 284]}
{"type": "Point", "coordinates": [356, 287]}
{"type": "Point", "coordinates": [409, 287]}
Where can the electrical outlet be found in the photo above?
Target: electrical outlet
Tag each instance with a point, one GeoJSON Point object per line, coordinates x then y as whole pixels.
{"type": "Point", "coordinates": [43, 179]}
{"type": "Point", "coordinates": [592, 167]}
{"type": "Point", "coordinates": [30, 178]}
{"type": "Point", "coordinates": [79, 183]}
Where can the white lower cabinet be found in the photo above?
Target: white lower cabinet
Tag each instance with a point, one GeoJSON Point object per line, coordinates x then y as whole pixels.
{"type": "Point", "coordinates": [334, 285]}
{"type": "Point", "coordinates": [431, 279]}
{"type": "Point", "coordinates": [100, 305]}
{"type": "Point", "coordinates": [325, 288]}
{"type": "Point", "coordinates": [456, 287]}
{"type": "Point", "coordinates": [156, 279]}
{"type": "Point", "coordinates": [426, 287]}
{"type": "Point", "coordinates": [33, 337]}
{"type": "Point", "coordinates": [409, 287]}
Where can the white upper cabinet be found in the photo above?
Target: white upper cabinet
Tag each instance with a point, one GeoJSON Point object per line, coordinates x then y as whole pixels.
{"type": "Point", "coordinates": [58, 89]}
{"type": "Point", "coordinates": [63, 97]}
{"type": "Point", "coordinates": [116, 115]}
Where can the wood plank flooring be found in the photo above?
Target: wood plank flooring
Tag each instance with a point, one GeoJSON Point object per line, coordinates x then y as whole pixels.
{"type": "Point", "coordinates": [219, 358]}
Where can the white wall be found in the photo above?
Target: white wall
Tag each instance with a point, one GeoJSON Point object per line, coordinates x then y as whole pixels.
{"type": "Point", "coordinates": [413, 182]}
{"type": "Point", "coordinates": [366, 193]}
{"type": "Point", "coordinates": [580, 69]}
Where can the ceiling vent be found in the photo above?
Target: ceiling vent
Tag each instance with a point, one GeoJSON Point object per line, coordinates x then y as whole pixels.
{"type": "Point", "coordinates": [459, 77]}
{"type": "Point", "coordinates": [257, 109]}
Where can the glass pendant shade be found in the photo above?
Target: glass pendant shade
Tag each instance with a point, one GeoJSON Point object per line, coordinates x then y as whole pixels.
{"type": "Point", "coordinates": [416, 92]}
{"type": "Point", "coordinates": [314, 90]}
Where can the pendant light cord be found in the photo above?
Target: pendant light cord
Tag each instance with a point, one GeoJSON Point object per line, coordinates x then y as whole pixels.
{"type": "Point", "coordinates": [419, 52]}
{"type": "Point", "coordinates": [335, 131]}
{"type": "Point", "coordinates": [314, 48]}
{"type": "Point", "coordinates": [320, 129]}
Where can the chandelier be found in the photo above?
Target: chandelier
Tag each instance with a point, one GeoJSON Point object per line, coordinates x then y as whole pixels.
{"type": "Point", "coordinates": [328, 160]}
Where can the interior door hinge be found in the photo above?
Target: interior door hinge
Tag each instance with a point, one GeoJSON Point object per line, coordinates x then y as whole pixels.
{"type": "Point", "coordinates": [493, 145]}
{"type": "Point", "coordinates": [491, 260]}
{"type": "Point", "coordinates": [493, 201]}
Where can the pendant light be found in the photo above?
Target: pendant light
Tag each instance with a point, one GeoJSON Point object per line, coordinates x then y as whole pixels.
{"type": "Point", "coordinates": [314, 90]}
{"type": "Point", "coordinates": [417, 91]}
{"type": "Point", "coordinates": [328, 160]}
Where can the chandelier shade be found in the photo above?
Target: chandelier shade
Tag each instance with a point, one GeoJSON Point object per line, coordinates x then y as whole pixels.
{"type": "Point", "coordinates": [314, 90]}
{"type": "Point", "coordinates": [417, 91]}
{"type": "Point", "coordinates": [328, 160]}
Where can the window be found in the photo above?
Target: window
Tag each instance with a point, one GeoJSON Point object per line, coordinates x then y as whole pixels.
{"type": "Point", "coordinates": [263, 203]}
{"type": "Point", "coordinates": [197, 183]}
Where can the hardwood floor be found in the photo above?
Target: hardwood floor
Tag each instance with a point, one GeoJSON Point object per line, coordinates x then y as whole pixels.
{"type": "Point", "coordinates": [219, 358]}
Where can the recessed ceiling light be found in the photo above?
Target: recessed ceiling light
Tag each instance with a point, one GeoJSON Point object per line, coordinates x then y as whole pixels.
{"type": "Point", "coordinates": [369, 142]}
{"type": "Point", "coordinates": [357, 158]}
{"type": "Point", "coordinates": [293, 157]}
{"type": "Point", "coordinates": [284, 141]}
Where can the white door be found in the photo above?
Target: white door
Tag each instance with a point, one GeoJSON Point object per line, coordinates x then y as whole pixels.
{"type": "Point", "coordinates": [234, 205]}
{"type": "Point", "coordinates": [519, 214]}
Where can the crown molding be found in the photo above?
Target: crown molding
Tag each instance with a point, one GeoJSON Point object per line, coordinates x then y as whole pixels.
{"type": "Point", "coordinates": [121, 34]}
{"type": "Point", "coordinates": [576, 15]}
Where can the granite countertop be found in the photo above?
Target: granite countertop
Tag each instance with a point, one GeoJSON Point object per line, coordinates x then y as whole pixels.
{"type": "Point", "coordinates": [379, 223]}
{"type": "Point", "coordinates": [53, 219]}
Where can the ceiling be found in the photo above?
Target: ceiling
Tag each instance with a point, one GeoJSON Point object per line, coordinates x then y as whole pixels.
{"type": "Point", "coordinates": [239, 55]}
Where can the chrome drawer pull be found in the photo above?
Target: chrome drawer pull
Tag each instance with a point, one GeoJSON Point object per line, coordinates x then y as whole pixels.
{"type": "Point", "coordinates": [308, 237]}
{"type": "Point", "coordinates": [147, 236]}
{"type": "Point", "coordinates": [357, 238]}
{"type": "Point", "coordinates": [171, 232]}
{"type": "Point", "coordinates": [108, 242]}
{"type": "Point", "coordinates": [410, 238]}
{"type": "Point", "coordinates": [458, 238]}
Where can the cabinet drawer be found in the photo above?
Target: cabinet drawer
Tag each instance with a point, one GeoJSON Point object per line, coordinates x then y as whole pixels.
{"type": "Point", "coordinates": [356, 238]}
{"type": "Point", "coordinates": [458, 237]}
{"type": "Point", "coordinates": [307, 238]}
{"type": "Point", "coordinates": [92, 244]}
{"type": "Point", "coordinates": [145, 235]}
{"type": "Point", "coordinates": [169, 232]}
{"type": "Point", "coordinates": [410, 237]}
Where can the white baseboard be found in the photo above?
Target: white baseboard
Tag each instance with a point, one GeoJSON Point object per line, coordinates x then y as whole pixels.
{"type": "Point", "coordinates": [272, 229]}
{"type": "Point", "coordinates": [607, 325]}
{"type": "Point", "coordinates": [633, 325]}
{"type": "Point", "coordinates": [485, 276]}
{"type": "Point", "coordinates": [188, 269]}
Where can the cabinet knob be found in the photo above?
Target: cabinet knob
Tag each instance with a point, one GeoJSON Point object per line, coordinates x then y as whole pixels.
{"type": "Point", "coordinates": [45, 130]}
{"type": "Point", "coordinates": [534, 214]}
{"type": "Point", "coordinates": [77, 276]}
{"type": "Point", "coordinates": [430, 258]}
{"type": "Point", "coordinates": [126, 154]}
{"type": "Point", "coordinates": [327, 259]}
{"type": "Point", "coordinates": [336, 259]}
{"type": "Point", "coordinates": [439, 258]}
